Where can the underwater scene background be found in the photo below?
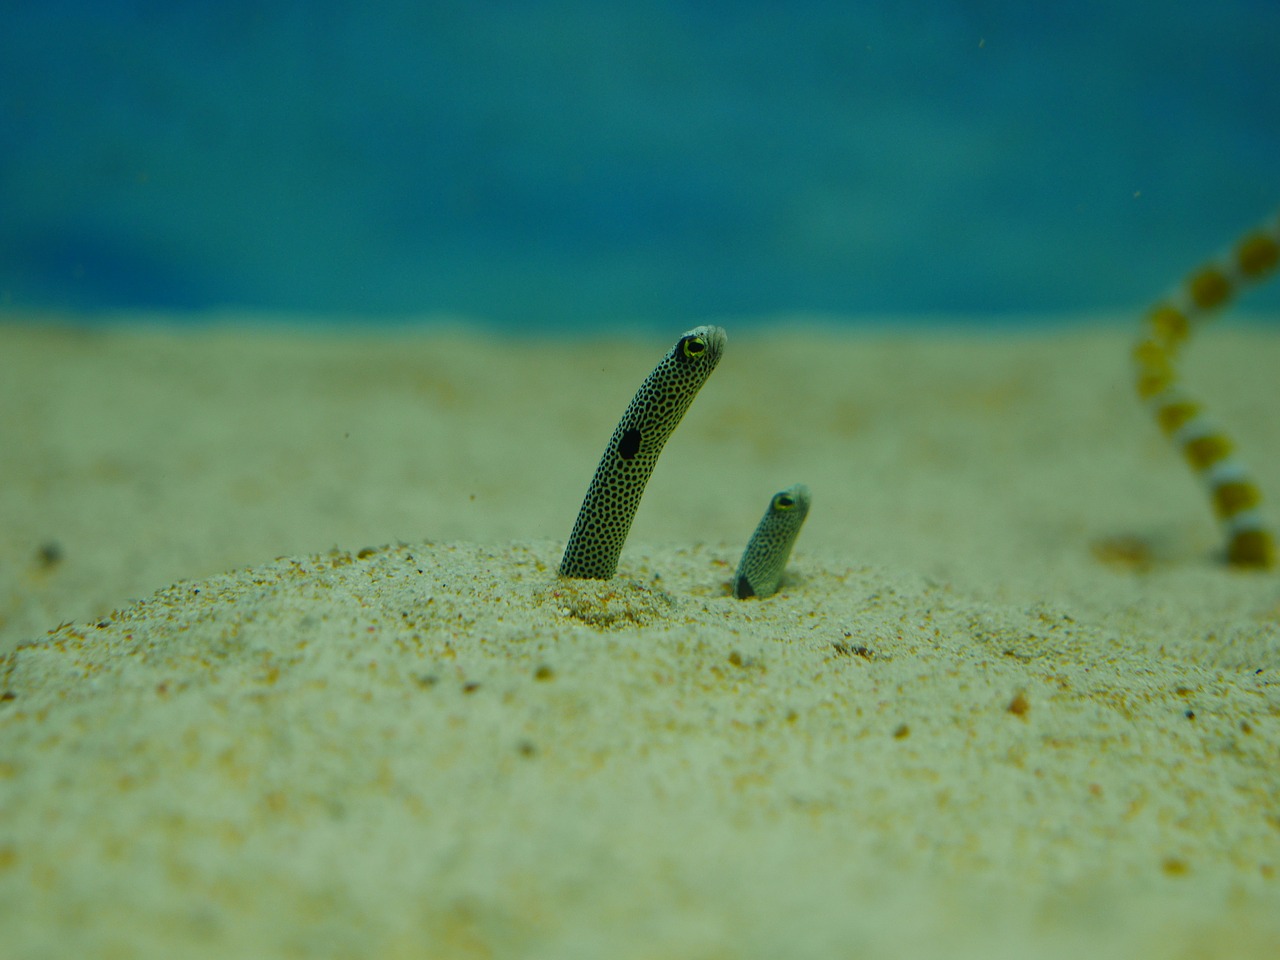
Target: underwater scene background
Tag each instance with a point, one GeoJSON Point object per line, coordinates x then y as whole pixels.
{"type": "Point", "coordinates": [556, 164]}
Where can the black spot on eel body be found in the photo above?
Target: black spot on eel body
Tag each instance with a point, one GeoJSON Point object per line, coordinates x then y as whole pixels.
{"type": "Point", "coordinates": [630, 444]}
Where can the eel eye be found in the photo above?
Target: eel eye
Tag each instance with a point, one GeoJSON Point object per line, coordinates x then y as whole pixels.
{"type": "Point", "coordinates": [783, 502]}
{"type": "Point", "coordinates": [693, 346]}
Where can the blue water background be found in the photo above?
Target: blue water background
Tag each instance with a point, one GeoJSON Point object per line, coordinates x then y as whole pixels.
{"type": "Point", "coordinates": [553, 164]}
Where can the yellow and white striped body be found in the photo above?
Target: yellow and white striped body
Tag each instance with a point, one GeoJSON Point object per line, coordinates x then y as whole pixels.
{"type": "Point", "coordinates": [1210, 452]}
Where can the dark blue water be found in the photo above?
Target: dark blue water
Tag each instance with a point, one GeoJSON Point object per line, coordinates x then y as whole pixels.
{"type": "Point", "coordinates": [570, 162]}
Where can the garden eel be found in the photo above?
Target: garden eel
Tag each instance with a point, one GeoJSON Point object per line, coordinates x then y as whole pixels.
{"type": "Point", "coordinates": [762, 563]}
{"type": "Point", "coordinates": [615, 491]}
{"type": "Point", "coordinates": [1210, 452]}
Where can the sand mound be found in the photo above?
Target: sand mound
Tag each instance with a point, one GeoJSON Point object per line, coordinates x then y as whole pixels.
{"type": "Point", "coordinates": [440, 749]}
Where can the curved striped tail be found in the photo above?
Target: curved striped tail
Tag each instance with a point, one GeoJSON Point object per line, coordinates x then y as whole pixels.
{"type": "Point", "coordinates": [1210, 452]}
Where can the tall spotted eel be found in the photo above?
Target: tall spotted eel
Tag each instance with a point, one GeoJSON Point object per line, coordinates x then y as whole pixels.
{"type": "Point", "coordinates": [760, 570]}
{"type": "Point", "coordinates": [615, 491]}
{"type": "Point", "coordinates": [1210, 452]}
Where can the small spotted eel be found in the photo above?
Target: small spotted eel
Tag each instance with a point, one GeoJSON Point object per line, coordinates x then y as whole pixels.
{"type": "Point", "coordinates": [762, 563]}
{"type": "Point", "coordinates": [619, 482]}
{"type": "Point", "coordinates": [1209, 451]}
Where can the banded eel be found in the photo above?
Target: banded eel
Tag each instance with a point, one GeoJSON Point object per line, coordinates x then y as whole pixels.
{"type": "Point", "coordinates": [760, 569]}
{"type": "Point", "coordinates": [1210, 452]}
{"type": "Point", "coordinates": [611, 501]}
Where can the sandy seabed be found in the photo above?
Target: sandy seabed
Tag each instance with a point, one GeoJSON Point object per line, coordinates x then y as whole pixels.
{"type": "Point", "coordinates": [1008, 703]}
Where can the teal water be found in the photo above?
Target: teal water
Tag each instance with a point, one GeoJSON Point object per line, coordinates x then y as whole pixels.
{"type": "Point", "coordinates": [550, 165]}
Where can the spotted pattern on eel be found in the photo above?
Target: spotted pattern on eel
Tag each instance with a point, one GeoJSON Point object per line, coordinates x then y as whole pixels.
{"type": "Point", "coordinates": [760, 570]}
{"type": "Point", "coordinates": [614, 495]}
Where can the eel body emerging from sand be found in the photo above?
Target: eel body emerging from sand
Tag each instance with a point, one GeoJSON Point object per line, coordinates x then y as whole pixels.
{"type": "Point", "coordinates": [619, 482]}
{"type": "Point", "coordinates": [760, 570]}
{"type": "Point", "coordinates": [1236, 497]}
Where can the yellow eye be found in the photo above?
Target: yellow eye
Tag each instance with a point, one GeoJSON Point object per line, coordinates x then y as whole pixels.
{"type": "Point", "coordinates": [693, 346]}
{"type": "Point", "coordinates": [783, 502]}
